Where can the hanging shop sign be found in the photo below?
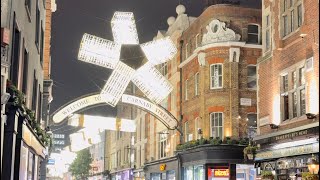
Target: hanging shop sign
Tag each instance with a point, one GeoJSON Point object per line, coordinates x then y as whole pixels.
{"type": "Point", "coordinates": [162, 167]}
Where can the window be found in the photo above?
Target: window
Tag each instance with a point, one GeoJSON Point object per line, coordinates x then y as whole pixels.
{"type": "Point", "coordinates": [285, 25]}
{"type": "Point", "coordinates": [186, 90]}
{"type": "Point", "coordinates": [39, 109]}
{"type": "Point", "coordinates": [186, 131]}
{"type": "Point", "coordinates": [299, 9]}
{"type": "Point", "coordinates": [216, 76]}
{"type": "Point", "coordinates": [292, 21]}
{"type": "Point", "coordinates": [119, 158]}
{"type": "Point", "coordinates": [216, 125]}
{"type": "Point", "coordinates": [34, 91]}
{"type": "Point", "coordinates": [196, 84]}
{"type": "Point", "coordinates": [25, 71]}
{"type": "Point", "coordinates": [253, 34]}
{"type": "Point", "coordinates": [14, 71]}
{"type": "Point", "coordinates": [28, 8]}
{"type": "Point", "coordinates": [285, 98]}
{"type": "Point", "coordinates": [187, 50]}
{"type": "Point", "coordinates": [164, 68]}
{"type": "Point", "coordinates": [198, 41]}
{"type": "Point", "coordinates": [293, 94]}
{"type": "Point", "coordinates": [291, 16]}
{"type": "Point", "coordinates": [252, 125]}
{"type": "Point", "coordinates": [37, 25]}
{"type": "Point", "coordinates": [41, 44]}
{"type": "Point", "coordinates": [252, 77]}
{"type": "Point", "coordinates": [268, 30]}
{"type": "Point", "coordinates": [197, 127]}
{"type": "Point", "coordinates": [163, 144]}
{"type": "Point", "coordinates": [31, 166]}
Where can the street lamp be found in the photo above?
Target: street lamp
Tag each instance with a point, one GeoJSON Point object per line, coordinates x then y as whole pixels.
{"type": "Point", "coordinates": [313, 165]}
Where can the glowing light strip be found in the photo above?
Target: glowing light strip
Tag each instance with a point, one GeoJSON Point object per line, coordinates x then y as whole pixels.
{"type": "Point", "coordinates": [124, 28]}
{"type": "Point", "coordinates": [151, 82]}
{"type": "Point", "coordinates": [295, 143]}
{"type": "Point", "coordinates": [117, 83]}
{"type": "Point", "coordinates": [99, 51]}
{"type": "Point", "coordinates": [159, 51]}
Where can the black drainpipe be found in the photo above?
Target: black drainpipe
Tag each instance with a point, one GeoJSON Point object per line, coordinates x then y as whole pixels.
{"type": "Point", "coordinates": [180, 174]}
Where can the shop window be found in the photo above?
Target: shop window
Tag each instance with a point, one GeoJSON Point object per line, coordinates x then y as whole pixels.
{"type": "Point", "coordinates": [216, 76]}
{"type": "Point", "coordinates": [216, 125]}
{"type": "Point", "coordinates": [253, 34]}
{"type": "Point", "coordinates": [196, 84]}
{"type": "Point", "coordinates": [163, 145]}
{"type": "Point", "coordinates": [252, 77]}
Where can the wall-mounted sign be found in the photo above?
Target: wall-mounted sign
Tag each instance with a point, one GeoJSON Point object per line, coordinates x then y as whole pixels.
{"type": "Point", "coordinates": [245, 102]}
{"type": "Point", "coordinates": [264, 121]}
{"type": "Point", "coordinates": [296, 134]}
{"type": "Point", "coordinates": [162, 167]}
{"type": "Point", "coordinates": [221, 173]}
{"type": "Point", "coordinates": [293, 151]}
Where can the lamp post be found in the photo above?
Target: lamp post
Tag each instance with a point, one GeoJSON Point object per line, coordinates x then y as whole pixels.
{"type": "Point", "coordinates": [313, 165]}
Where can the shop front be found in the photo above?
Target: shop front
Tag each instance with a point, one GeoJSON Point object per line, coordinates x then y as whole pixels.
{"type": "Point", "coordinates": [122, 175]}
{"type": "Point", "coordinates": [209, 162]}
{"type": "Point", "coordinates": [287, 154]}
{"type": "Point", "coordinates": [138, 174]}
{"type": "Point", "coordinates": [164, 169]}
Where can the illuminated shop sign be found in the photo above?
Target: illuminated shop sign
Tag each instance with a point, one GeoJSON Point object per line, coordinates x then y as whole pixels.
{"type": "Point", "coordinates": [221, 172]}
{"type": "Point", "coordinates": [162, 167]}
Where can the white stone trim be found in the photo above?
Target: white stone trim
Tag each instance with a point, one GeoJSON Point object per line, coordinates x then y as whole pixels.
{"type": "Point", "coordinates": [221, 44]}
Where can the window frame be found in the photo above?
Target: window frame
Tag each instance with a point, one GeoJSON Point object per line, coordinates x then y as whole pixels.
{"type": "Point", "coordinates": [196, 84]}
{"type": "Point", "coordinates": [222, 126]}
{"type": "Point", "coordinates": [197, 40]}
{"type": "Point", "coordinates": [256, 78]}
{"type": "Point", "coordinates": [211, 77]}
{"type": "Point", "coordinates": [258, 34]}
{"type": "Point", "coordinates": [248, 127]}
{"type": "Point", "coordinates": [186, 97]}
{"type": "Point", "coordinates": [291, 17]}
{"type": "Point", "coordinates": [163, 142]}
{"type": "Point", "coordinates": [295, 87]}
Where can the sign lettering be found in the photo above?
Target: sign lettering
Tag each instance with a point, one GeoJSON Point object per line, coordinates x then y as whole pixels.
{"type": "Point", "coordinates": [165, 117]}
{"type": "Point", "coordinates": [221, 173]}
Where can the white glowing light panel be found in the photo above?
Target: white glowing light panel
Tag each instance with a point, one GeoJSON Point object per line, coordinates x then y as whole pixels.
{"type": "Point", "coordinates": [117, 84]}
{"type": "Point", "coordinates": [124, 28]}
{"type": "Point", "coordinates": [159, 51]}
{"type": "Point", "coordinates": [99, 51]}
{"type": "Point", "coordinates": [151, 82]}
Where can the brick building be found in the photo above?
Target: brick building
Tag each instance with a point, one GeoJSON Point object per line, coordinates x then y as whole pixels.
{"type": "Point", "coordinates": [288, 87]}
{"type": "Point", "coordinates": [219, 52]}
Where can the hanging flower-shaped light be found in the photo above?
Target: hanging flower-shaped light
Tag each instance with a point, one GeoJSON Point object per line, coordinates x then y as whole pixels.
{"type": "Point", "coordinates": [107, 54]}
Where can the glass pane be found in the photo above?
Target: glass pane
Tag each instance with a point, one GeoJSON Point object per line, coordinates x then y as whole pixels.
{"type": "Point", "coordinates": [253, 29]}
{"type": "Point", "coordinates": [220, 132]}
{"type": "Point", "coordinates": [302, 102]}
{"type": "Point", "coordinates": [220, 81]}
{"type": "Point", "coordinates": [253, 38]}
{"type": "Point", "coordinates": [302, 77]}
{"type": "Point", "coordinates": [220, 119]}
{"type": "Point", "coordinates": [220, 69]}
{"type": "Point", "coordinates": [252, 71]}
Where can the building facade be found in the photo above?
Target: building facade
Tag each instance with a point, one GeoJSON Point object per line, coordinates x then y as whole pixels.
{"type": "Point", "coordinates": [288, 87]}
{"type": "Point", "coordinates": [23, 28]}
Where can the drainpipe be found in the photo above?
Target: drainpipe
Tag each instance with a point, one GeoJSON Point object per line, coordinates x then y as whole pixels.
{"type": "Point", "coordinates": [180, 84]}
{"type": "Point", "coordinates": [181, 117]}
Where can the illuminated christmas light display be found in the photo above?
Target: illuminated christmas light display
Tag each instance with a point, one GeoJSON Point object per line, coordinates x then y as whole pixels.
{"type": "Point", "coordinates": [107, 54]}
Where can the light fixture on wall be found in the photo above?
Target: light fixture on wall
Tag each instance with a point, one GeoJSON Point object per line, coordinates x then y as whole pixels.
{"type": "Point", "coordinates": [313, 165]}
{"type": "Point", "coordinates": [311, 115]}
{"type": "Point", "coordinates": [274, 126]}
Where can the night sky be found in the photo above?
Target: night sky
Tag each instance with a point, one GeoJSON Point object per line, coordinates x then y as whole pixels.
{"type": "Point", "coordinates": [73, 78]}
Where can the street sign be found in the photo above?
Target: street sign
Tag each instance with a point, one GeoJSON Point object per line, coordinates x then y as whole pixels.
{"type": "Point", "coordinates": [51, 161]}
